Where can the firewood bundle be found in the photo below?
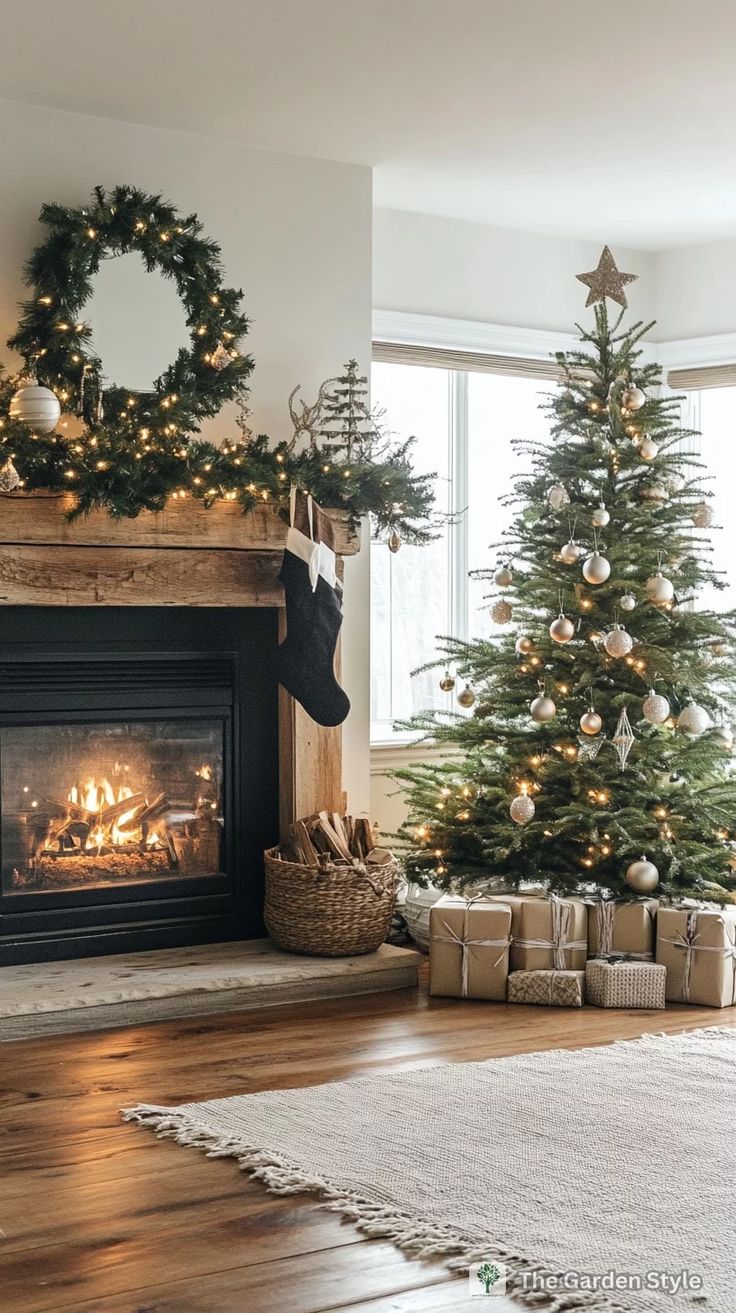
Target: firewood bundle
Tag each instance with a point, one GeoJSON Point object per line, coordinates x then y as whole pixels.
{"type": "Point", "coordinates": [327, 839]}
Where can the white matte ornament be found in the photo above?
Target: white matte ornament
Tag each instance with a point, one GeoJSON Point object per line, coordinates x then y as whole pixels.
{"type": "Point", "coordinates": [590, 722]}
{"type": "Point", "coordinates": [501, 612]}
{"type": "Point", "coordinates": [562, 629]}
{"type": "Point", "coordinates": [524, 645]}
{"type": "Point", "coordinates": [633, 398]}
{"type": "Point", "coordinates": [543, 709]}
{"type": "Point", "coordinates": [642, 876]}
{"type": "Point", "coordinates": [694, 720]}
{"type": "Point", "coordinates": [36, 406]}
{"type": "Point", "coordinates": [504, 576]}
{"type": "Point", "coordinates": [723, 737]}
{"type": "Point", "coordinates": [648, 449]}
{"type": "Point", "coordinates": [558, 497]}
{"type": "Point", "coordinates": [627, 602]}
{"type": "Point", "coordinates": [522, 809]}
{"type": "Point", "coordinates": [659, 589]}
{"type": "Point", "coordinates": [596, 569]}
{"type": "Point", "coordinates": [571, 552]}
{"type": "Point", "coordinates": [617, 642]}
{"type": "Point", "coordinates": [655, 708]}
{"type": "Point", "coordinates": [600, 517]}
{"type": "Point", "coordinates": [703, 517]}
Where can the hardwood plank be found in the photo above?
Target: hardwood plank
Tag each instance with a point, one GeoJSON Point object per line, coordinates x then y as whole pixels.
{"type": "Point", "coordinates": [39, 517]}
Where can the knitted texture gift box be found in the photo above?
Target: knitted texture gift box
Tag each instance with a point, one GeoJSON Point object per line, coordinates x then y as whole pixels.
{"type": "Point", "coordinates": [552, 989]}
{"type": "Point", "coordinates": [625, 984]}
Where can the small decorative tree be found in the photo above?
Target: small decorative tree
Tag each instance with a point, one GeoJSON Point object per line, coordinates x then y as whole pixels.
{"type": "Point", "coordinates": [488, 1274]}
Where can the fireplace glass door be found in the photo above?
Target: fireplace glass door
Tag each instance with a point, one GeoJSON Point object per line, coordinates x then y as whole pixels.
{"type": "Point", "coordinates": [124, 802]}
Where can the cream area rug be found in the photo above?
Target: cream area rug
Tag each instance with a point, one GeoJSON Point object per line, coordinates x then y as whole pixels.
{"type": "Point", "coordinates": [596, 1163]}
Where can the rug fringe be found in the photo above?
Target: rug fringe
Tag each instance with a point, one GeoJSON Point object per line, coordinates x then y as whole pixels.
{"type": "Point", "coordinates": [422, 1240]}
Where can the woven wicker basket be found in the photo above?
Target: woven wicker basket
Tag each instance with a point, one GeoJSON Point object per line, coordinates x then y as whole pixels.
{"type": "Point", "coordinates": [332, 913]}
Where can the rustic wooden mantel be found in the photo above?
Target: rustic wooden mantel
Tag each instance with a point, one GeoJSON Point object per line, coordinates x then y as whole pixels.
{"type": "Point", "coordinates": [183, 556]}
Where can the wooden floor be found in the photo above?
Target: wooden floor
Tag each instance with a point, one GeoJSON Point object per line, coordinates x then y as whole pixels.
{"type": "Point", "coordinates": [96, 1216]}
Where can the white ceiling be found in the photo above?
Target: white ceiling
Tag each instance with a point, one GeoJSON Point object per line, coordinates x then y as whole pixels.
{"type": "Point", "coordinates": [580, 117]}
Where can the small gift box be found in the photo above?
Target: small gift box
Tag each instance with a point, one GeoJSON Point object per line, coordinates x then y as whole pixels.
{"type": "Point", "coordinates": [622, 928]}
{"type": "Point", "coordinates": [699, 952]}
{"type": "Point", "coordinates": [552, 933]}
{"type": "Point", "coordinates": [552, 989]}
{"type": "Point", "coordinates": [625, 984]}
{"type": "Point", "coordinates": [469, 948]}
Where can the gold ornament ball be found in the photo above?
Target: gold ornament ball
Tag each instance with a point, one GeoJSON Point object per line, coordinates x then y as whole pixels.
{"type": "Point", "coordinates": [571, 552]}
{"type": "Point", "coordinates": [633, 398]}
{"type": "Point", "coordinates": [562, 629]}
{"type": "Point", "coordinates": [467, 697]}
{"type": "Point", "coordinates": [600, 517]}
{"type": "Point", "coordinates": [394, 542]}
{"type": "Point", "coordinates": [447, 683]}
{"type": "Point", "coordinates": [543, 709]}
{"type": "Point", "coordinates": [642, 876]}
{"type": "Point", "coordinates": [501, 612]}
{"type": "Point", "coordinates": [590, 722]}
{"type": "Point", "coordinates": [596, 569]}
{"type": "Point", "coordinates": [522, 809]}
{"type": "Point", "coordinates": [504, 576]}
{"type": "Point", "coordinates": [524, 645]}
{"type": "Point", "coordinates": [648, 449]}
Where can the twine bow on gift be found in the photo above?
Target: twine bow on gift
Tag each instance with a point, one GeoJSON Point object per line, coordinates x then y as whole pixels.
{"type": "Point", "coordinates": [559, 943]}
{"type": "Point", "coordinates": [688, 942]}
{"type": "Point", "coordinates": [606, 921]}
{"type": "Point", "coordinates": [465, 944]}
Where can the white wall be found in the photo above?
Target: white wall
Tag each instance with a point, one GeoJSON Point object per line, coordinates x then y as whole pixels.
{"type": "Point", "coordinates": [695, 290]}
{"type": "Point", "coordinates": [295, 234]}
{"type": "Point", "coordinates": [436, 266]}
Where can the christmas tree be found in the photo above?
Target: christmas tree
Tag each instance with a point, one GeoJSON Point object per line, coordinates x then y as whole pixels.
{"type": "Point", "coordinates": [597, 754]}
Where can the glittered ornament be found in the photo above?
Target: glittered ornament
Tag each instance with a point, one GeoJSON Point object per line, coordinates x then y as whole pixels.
{"type": "Point", "coordinates": [627, 602]}
{"type": "Point", "coordinates": [9, 477]}
{"type": "Point", "coordinates": [466, 698]}
{"type": "Point", "coordinates": [606, 280]}
{"type": "Point", "coordinates": [36, 406]}
{"type": "Point", "coordinates": [693, 720]}
{"type": "Point", "coordinates": [648, 449]}
{"type": "Point", "coordinates": [524, 645]}
{"type": "Point", "coordinates": [655, 708]}
{"type": "Point", "coordinates": [599, 516]}
{"type": "Point", "coordinates": [659, 590]}
{"type": "Point", "coordinates": [596, 569]}
{"type": "Point", "coordinates": [522, 809]}
{"type": "Point", "coordinates": [702, 516]}
{"type": "Point", "coordinates": [501, 612]}
{"type": "Point", "coordinates": [394, 542]}
{"type": "Point", "coordinates": [504, 576]}
{"type": "Point", "coordinates": [590, 722]}
{"type": "Point", "coordinates": [543, 709]}
{"type": "Point", "coordinates": [623, 739]}
{"type": "Point", "coordinates": [642, 876]}
{"type": "Point", "coordinates": [722, 736]}
{"type": "Point", "coordinates": [220, 357]}
{"type": "Point", "coordinates": [562, 629]}
{"type": "Point", "coordinates": [447, 682]}
{"type": "Point", "coordinates": [633, 398]}
{"type": "Point", "coordinates": [571, 552]}
{"type": "Point", "coordinates": [558, 497]}
{"type": "Point", "coordinates": [617, 642]}
{"type": "Point", "coordinates": [588, 748]}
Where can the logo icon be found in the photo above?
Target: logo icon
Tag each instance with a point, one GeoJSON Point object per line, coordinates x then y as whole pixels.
{"type": "Point", "coordinates": [487, 1279]}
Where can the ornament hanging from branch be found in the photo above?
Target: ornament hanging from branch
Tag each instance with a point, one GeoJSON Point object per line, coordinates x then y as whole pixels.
{"type": "Point", "coordinates": [623, 739]}
{"type": "Point", "coordinates": [36, 406]}
{"type": "Point", "coordinates": [588, 748]}
{"type": "Point", "coordinates": [447, 683]}
{"type": "Point", "coordinates": [655, 708]}
{"type": "Point", "coordinates": [9, 477]}
{"type": "Point", "coordinates": [522, 808]}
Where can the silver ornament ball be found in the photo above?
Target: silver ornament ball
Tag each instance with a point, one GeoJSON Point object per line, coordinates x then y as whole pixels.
{"type": "Point", "coordinates": [590, 722]}
{"type": "Point", "coordinates": [522, 809]}
{"type": "Point", "coordinates": [655, 708]}
{"type": "Point", "coordinates": [562, 629]}
{"type": "Point", "coordinates": [571, 552]}
{"type": "Point", "coordinates": [596, 569]}
{"type": "Point", "coordinates": [617, 642]}
{"type": "Point", "coordinates": [36, 406]}
{"type": "Point", "coordinates": [600, 517]}
{"type": "Point", "coordinates": [659, 589]}
{"type": "Point", "coordinates": [642, 876]}
{"type": "Point", "coordinates": [693, 720]}
{"type": "Point", "coordinates": [627, 602]}
{"type": "Point", "coordinates": [504, 576]}
{"type": "Point", "coordinates": [543, 709]}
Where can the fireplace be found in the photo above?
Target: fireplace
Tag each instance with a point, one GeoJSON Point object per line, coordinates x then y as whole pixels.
{"type": "Point", "coordinates": [139, 776]}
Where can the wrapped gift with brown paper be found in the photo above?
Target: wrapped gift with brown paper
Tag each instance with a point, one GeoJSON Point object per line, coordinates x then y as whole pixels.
{"type": "Point", "coordinates": [552, 989]}
{"type": "Point", "coordinates": [624, 984]}
{"type": "Point", "coordinates": [699, 951]}
{"type": "Point", "coordinates": [469, 948]}
{"type": "Point", "coordinates": [552, 933]}
{"type": "Point", "coordinates": [622, 928]}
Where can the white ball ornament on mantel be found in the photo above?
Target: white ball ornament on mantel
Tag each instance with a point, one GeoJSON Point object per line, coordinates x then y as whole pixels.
{"type": "Point", "coordinates": [702, 516]}
{"type": "Point", "coordinates": [501, 612]}
{"type": "Point", "coordinates": [648, 449]}
{"type": "Point", "coordinates": [693, 720]}
{"type": "Point", "coordinates": [543, 709]}
{"type": "Point", "coordinates": [504, 576]}
{"type": "Point", "coordinates": [655, 708]}
{"type": "Point", "coordinates": [571, 552]}
{"type": "Point", "coordinates": [617, 642]}
{"type": "Point", "coordinates": [633, 398]}
{"type": "Point", "coordinates": [522, 809]}
{"type": "Point", "coordinates": [590, 722]}
{"type": "Point", "coordinates": [558, 497]}
{"type": "Point", "coordinates": [600, 517]}
{"type": "Point", "coordinates": [659, 590]}
{"type": "Point", "coordinates": [596, 569]}
{"type": "Point", "coordinates": [36, 406]}
{"type": "Point", "coordinates": [562, 630]}
{"type": "Point", "coordinates": [627, 602]}
{"type": "Point", "coordinates": [642, 876]}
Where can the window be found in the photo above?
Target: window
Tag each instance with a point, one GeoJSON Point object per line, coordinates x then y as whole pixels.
{"type": "Point", "coordinates": [712, 410]}
{"type": "Point", "coordinates": [464, 422]}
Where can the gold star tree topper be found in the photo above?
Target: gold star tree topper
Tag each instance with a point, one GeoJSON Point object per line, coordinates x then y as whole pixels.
{"type": "Point", "coordinates": [606, 281]}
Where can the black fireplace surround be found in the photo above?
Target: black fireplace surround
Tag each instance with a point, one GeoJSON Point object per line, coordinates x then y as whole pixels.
{"type": "Point", "coordinates": [138, 777]}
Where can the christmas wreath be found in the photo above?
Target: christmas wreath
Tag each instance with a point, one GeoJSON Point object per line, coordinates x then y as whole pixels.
{"type": "Point", "coordinates": [129, 450]}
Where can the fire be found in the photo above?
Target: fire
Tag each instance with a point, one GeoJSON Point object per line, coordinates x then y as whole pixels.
{"type": "Point", "coordinates": [204, 772]}
{"type": "Point", "coordinates": [95, 797]}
